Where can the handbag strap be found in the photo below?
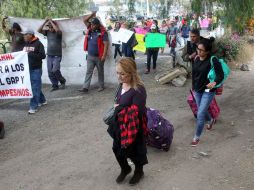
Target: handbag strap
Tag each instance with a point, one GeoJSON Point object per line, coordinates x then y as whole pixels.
{"type": "Point", "coordinates": [116, 92]}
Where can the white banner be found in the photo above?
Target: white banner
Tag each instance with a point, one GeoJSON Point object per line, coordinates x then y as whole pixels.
{"type": "Point", "coordinates": [15, 76]}
{"type": "Point", "coordinates": [73, 64]}
{"type": "Point", "coordinates": [115, 37]}
{"type": "Point", "coordinates": [124, 35]}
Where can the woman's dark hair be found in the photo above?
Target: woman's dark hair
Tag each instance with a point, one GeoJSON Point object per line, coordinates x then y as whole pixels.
{"type": "Point", "coordinates": [195, 31]}
{"type": "Point", "coordinates": [207, 43]}
{"type": "Point", "coordinates": [156, 22]}
{"type": "Point", "coordinates": [16, 26]}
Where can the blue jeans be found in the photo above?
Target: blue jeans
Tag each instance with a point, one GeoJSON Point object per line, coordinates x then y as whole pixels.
{"type": "Point", "coordinates": [38, 96]}
{"type": "Point", "coordinates": [203, 101]}
{"type": "Point", "coordinates": [54, 73]}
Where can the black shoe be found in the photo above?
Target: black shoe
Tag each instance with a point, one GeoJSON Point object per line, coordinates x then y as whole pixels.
{"type": "Point", "coordinates": [123, 174]}
{"type": "Point", "coordinates": [2, 131]}
{"type": "Point", "coordinates": [136, 177]}
{"type": "Point", "coordinates": [84, 90]}
{"type": "Point", "coordinates": [54, 89]}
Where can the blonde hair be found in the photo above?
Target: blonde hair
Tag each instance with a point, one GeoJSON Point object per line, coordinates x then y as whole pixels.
{"type": "Point", "coordinates": [129, 66]}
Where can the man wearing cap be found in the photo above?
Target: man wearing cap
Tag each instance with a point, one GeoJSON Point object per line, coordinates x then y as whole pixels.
{"type": "Point", "coordinates": [36, 53]}
{"type": "Point", "coordinates": [54, 53]}
{"type": "Point", "coordinates": [96, 44]}
{"type": "Point", "coordinates": [17, 39]}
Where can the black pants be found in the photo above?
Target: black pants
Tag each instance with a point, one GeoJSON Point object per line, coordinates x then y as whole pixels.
{"type": "Point", "coordinates": [117, 50]}
{"type": "Point", "coordinates": [151, 53]}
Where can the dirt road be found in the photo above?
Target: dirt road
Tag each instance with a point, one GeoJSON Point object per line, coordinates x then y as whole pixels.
{"type": "Point", "coordinates": [65, 145]}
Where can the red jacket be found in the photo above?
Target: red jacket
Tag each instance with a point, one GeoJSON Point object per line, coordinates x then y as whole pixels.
{"type": "Point", "coordinates": [100, 40]}
{"type": "Point", "coordinates": [129, 125]}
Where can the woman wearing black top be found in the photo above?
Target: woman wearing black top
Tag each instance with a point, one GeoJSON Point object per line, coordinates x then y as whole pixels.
{"type": "Point", "coordinates": [204, 90]}
{"type": "Point", "coordinates": [132, 92]}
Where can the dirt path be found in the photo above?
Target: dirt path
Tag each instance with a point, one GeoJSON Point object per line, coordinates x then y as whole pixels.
{"type": "Point", "coordinates": [65, 146]}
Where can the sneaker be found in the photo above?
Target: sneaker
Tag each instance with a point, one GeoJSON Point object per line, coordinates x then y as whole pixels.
{"type": "Point", "coordinates": [32, 111]}
{"type": "Point", "coordinates": [194, 142]}
{"type": "Point", "coordinates": [42, 104]}
{"type": "Point", "coordinates": [62, 86]}
{"type": "Point", "coordinates": [84, 90]}
{"type": "Point", "coordinates": [147, 72]}
{"type": "Point", "coordinates": [54, 89]}
{"type": "Point", "coordinates": [210, 126]}
{"type": "Point", "coordinates": [100, 89]}
{"type": "Point", "coordinates": [154, 70]}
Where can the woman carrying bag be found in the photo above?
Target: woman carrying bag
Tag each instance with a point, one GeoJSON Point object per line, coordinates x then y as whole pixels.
{"type": "Point", "coordinates": [129, 127]}
{"type": "Point", "coordinates": [204, 90]}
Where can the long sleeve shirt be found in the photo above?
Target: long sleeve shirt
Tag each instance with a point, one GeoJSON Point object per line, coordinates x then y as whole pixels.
{"type": "Point", "coordinates": [200, 70]}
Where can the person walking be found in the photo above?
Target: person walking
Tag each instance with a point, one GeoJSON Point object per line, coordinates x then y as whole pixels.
{"type": "Point", "coordinates": [36, 53]}
{"type": "Point", "coordinates": [152, 53]}
{"type": "Point", "coordinates": [185, 30]}
{"type": "Point", "coordinates": [204, 90]}
{"type": "Point", "coordinates": [96, 44]}
{"type": "Point", "coordinates": [117, 46]}
{"type": "Point", "coordinates": [190, 49]}
{"type": "Point", "coordinates": [130, 111]}
{"type": "Point", "coordinates": [54, 53]}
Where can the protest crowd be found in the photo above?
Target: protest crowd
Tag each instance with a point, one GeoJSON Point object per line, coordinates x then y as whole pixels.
{"type": "Point", "coordinates": [128, 118]}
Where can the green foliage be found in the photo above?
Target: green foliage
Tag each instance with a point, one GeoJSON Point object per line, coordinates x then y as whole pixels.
{"type": "Point", "coordinates": [236, 12]}
{"type": "Point", "coordinates": [42, 9]}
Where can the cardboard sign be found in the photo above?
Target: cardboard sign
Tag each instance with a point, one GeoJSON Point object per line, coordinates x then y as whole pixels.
{"type": "Point", "coordinates": [155, 40]}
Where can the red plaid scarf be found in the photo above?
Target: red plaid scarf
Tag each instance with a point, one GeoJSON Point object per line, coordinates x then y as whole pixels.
{"type": "Point", "coordinates": [129, 125]}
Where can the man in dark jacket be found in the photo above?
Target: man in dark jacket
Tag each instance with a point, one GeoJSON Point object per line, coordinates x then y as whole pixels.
{"type": "Point", "coordinates": [190, 49]}
{"type": "Point", "coordinates": [54, 52]}
{"type": "Point", "coordinates": [36, 53]}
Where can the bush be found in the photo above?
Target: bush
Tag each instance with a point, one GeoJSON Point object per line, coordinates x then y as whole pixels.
{"type": "Point", "coordinates": [230, 46]}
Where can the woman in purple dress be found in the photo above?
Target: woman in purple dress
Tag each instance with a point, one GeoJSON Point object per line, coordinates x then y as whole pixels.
{"type": "Point", "coordinates": [130, 118]}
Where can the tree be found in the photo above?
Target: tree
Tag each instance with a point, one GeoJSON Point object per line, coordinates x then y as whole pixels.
{"type": "Point", "coordinates": [42, 9]}
{"type": "Point", "coordinates": [236, 13]}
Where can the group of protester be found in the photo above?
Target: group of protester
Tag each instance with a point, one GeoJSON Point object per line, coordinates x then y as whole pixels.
{"type": "Point", "coordinates": [129, 127]}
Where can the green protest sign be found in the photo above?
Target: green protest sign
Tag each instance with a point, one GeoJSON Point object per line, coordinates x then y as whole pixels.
{"type": "Point", "coordinates": [155, 40]}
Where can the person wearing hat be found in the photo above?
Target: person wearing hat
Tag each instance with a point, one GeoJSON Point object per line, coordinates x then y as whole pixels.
{"type": "Point", "coordinates": [152, 52]}
{"type": "Point", "coordinates": [17, 39]}
{"type": "Point", "coordinates": [36, 53]}
{"type": "Point", "coordinates": [96, 44]}
{"type": "Point", "coordinates": [54, 53]}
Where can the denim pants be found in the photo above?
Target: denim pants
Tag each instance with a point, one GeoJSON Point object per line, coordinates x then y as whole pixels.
{"type": "Point", "coordinates": [151, 53]}
{"type": "Point", "coordinates": [93, 62]}
{"type": "Point", "coordinates": [54, 73]}
{"type": "Point", "coordinates": [38, 96]}
{"type": "Point", "coordinates": [203, 101]}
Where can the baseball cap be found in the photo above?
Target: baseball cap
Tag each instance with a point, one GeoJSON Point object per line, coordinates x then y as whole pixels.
{"type": "Point", "coordinates": [28, 31]}
{"type": "Point", "coordinates": [95, 21]}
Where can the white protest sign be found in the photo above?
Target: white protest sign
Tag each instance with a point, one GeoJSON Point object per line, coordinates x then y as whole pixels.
{"type": "Point", "coordinates": [124, 35]}
{"type": "Point", "coordinates": [15, 76]}
{"type": "Point", "coordinates": [115, 37]}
